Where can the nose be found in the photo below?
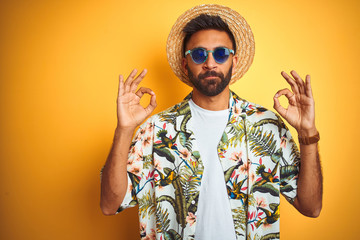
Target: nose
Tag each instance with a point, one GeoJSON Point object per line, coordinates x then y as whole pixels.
{"type": "Point", "coordinates": [210, 62]}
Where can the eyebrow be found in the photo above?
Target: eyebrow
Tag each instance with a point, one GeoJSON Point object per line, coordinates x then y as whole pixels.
{"type": "Point", "coordinates": [220, 46]}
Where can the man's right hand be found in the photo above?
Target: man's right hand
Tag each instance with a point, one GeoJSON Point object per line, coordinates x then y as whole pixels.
{"type": "Point", "coordinates": [129, 110]}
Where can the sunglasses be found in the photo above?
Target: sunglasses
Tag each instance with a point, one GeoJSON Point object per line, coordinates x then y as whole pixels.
{"type": "Point", "coordinates": [200, 55]}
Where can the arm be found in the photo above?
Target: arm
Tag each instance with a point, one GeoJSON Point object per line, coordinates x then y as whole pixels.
{"type": "Point", "coordinates": [301, 115]}
{"type": "Point", "coordinates": [130, 114]}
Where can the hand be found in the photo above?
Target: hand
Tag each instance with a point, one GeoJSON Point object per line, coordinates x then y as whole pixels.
{"type": "Point", "coordinates": [301, 110]}
{"type": "Point", "coordinates": [130, 113]}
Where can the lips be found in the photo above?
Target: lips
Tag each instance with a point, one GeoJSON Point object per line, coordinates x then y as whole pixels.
{"type": "Point", "coordinates": [210, 75]}
{"type": "Point", "coordinates": [211, 80]}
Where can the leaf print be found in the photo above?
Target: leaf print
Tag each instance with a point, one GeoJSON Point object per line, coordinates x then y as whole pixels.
{"type": "Point", "coordinates": [230, 173]}
{"type": "Point", "coordinates": [295, 154]}
{"type": "Point", "coordinates": [190, 179]}
{"type": "Point", "coordinates": [238, 131]}
{"type": "Point", "coordinates": [288, 172]}
{"type": "Point", "coordinates": [162, 219]}
{"type": "Point", "coordinates": [277, 122]}
{"type": "Point", "coordinates": [286, 188]}
{"type": "Point", "coordinates": [147, 205]}
{"type": "Point", "coordinates": [266, 188]}
{"type": "Point", "coordinates": [239, 217]}
{"type": "Point", "coordinates": [179, 203]}
{"type": "Point", "coordinates": [261, 143]}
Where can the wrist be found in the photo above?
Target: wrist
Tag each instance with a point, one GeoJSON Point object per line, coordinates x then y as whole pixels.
{"type": "Point", "coordinates": [124, 131]}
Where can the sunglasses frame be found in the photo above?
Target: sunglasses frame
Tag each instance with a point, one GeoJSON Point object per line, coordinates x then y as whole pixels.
{"type": "Point", "coordinates": [207, 54]}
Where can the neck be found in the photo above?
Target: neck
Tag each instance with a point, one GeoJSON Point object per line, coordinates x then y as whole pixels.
{"type": "Point", "coordinates": [214, 103]}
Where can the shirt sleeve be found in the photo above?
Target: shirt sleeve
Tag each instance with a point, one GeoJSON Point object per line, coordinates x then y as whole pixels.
{"type": "Point", "coordinates": [139, 165]}
{"type": "Point", "coordinates": [289, 166]}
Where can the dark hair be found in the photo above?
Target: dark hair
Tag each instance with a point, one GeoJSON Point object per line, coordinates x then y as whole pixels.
{"type": "Point", "coordinates": [204, 22]}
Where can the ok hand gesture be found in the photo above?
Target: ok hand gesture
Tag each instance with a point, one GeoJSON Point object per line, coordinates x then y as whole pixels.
{"type": "Point", "coordinates": [129, 110]}
{"type": "Point", "coordinates": [301, 110]}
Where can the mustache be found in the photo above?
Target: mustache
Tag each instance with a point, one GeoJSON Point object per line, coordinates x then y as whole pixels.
{"type": "Point", "coordinates": [210, 74]}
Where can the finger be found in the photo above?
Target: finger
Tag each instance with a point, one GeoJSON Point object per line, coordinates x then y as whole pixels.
{"type": "Point", "coordinates": [308, 86]}
{"type": "Point", "coordinates": [130, 79]}
{"type": "Point", "coordinates": [291, 81]}
{"type": "Point", "coordinates": [289, 95]}
{"type": "Point", "coordinates": [152, 105]}
{"type": "Point", "coordinates": [137, 80]}
{"type": "Point", "coordinates": [298, 81]}
{"type": "Point", "coordinates": [121, 86]}
{"type": "Point", "coordinates": [277, 106]}
{"type": "Point", "coordinates": [144, 90]}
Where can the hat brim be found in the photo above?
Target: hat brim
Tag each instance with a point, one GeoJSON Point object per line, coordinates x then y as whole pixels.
{"type": "Point", "coordinates": [244, 38]}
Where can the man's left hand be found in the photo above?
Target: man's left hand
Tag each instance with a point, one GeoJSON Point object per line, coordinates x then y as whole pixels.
{"type": "Point", "coordinates": [301, 110]}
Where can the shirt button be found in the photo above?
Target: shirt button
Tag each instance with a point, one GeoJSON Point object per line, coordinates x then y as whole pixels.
{"type": "Point", "coordinates": [193, 202]}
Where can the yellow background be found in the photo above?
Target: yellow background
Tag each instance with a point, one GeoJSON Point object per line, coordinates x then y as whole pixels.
{"type": "Point", "coordinates": [60, 62]}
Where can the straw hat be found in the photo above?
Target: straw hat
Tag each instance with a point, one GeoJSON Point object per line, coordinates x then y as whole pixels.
{"type": "Point", "coordinates": [245, 45]}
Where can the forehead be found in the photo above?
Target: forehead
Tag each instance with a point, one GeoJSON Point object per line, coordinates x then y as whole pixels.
{"type": "Point", "coordinates": [209, 39]}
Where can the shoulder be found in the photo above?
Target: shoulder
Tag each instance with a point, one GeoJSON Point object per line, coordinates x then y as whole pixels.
{"type": "Point", "coordinates": [168, 114]}
{"type": "Point", "coordinates": [253, 110]}
{"type": "Point", "coordinates": [257, 115]}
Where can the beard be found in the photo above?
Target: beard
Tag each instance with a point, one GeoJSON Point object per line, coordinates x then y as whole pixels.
{"type": "Point", "coordinates": [211, 87]}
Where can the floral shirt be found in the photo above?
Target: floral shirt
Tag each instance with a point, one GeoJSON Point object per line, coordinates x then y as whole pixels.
{"type": "Point", "coordinates": [259, 160]}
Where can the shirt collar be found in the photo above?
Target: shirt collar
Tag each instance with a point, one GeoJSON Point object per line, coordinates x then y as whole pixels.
{"type": "Point", "coordinates": [234, 106]}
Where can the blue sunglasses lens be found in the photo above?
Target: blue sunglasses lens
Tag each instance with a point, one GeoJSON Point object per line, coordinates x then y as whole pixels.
{"type": "Point", "coordinates": [221, 55]}
{"type": "Point", "coordinates": [199, 55]}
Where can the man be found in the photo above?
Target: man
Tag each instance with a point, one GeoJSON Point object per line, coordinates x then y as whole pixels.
{"type": "Point", "coordinates": [212, 166]}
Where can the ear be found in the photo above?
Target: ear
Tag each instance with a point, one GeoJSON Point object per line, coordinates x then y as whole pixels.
{"type": "Point", "coordinates": [235, 61]}
{"type": "Point", "coordinates": [184, 65]}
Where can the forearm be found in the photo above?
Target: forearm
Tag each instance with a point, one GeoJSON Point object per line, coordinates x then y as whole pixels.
{"type": "Point", "coordinates": [114, 175]}
{"type": "Point", "coordinates": [309, 191]}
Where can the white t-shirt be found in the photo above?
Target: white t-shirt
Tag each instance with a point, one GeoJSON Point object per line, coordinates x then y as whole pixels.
{"type": "Point", "coordinates": [214, 220]}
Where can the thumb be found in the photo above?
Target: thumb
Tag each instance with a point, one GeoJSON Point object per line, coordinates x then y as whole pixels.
{"type": "Point", "coordinates": [152, 105]}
